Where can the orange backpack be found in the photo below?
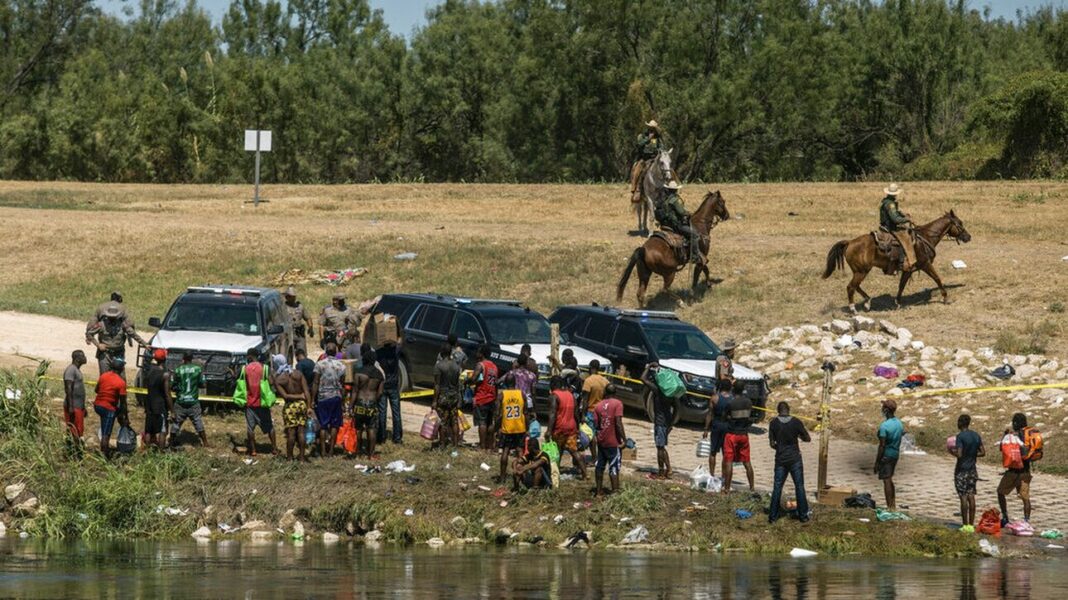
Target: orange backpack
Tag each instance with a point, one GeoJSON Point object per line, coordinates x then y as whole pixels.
{"type": "Point", "coordinates": [1032, 439]}
{"type": "Point", "coordinates": [1011, 455]}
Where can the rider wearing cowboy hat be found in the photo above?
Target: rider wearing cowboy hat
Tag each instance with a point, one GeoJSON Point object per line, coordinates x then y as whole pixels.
{"type": "Point", "coordinates": [671, 214]}
{"type": "Point", "coordinates": [891, 219]}
{"type": "Point", "coordinates": [649, 145]}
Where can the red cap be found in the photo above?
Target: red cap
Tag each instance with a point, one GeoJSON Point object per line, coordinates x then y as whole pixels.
{"type": "Point", "coordinates": [159, 354]}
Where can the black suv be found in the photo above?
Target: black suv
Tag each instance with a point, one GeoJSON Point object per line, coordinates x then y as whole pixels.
{"type": "Point", "coordinates": [426, 321]}
{"type": "Point", "coordinates": [633, 338]}
{"type": "Point", "coordinates": [219, 324]}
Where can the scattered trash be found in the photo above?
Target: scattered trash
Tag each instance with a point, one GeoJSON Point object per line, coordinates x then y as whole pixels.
{"type": "Point", "coordinates": [959, 264]}
{"type": "Point", "coordinates": [169, 511]}
{"type": "Point", "coordinates": [638, 535]}
{"type": "Point", "coordinates": [406, 256]}
{"type": "Point", "coordinates": [967, 529]}
{"type": "Point", "coordinates": [82, 516]}
{"type": "Point", "coordinates": [912, 381]}
{"type": "Point", "coordinates": [1051, 534]}
{"type": "Point", "coordinates": [989, 549]}
{"type": "Point", "coordinates": [863, 520]}
{"type": "Point", "coordinates": [863, 500]}
{"type": "Point", "coordinates": [412, 480]}
{"type": "Point", "coordinates": [1005, 371]}
{"type": "Point", "coordinates": [484, 467]}
{"type": "Point", "coordinates": [247, 461]}
{"type": "Point", "coordinates": [325, 277]}
{"type": "Point", "coordinates": [908, 446]}
{"type": "Point", "coordinates": [886, 515]}
{"type": "Point", "coordinates": [989, 522]}
{"type": "Point", "coordinates": [843, 342]}
{"type": "Point", "coordinates": [560, 519]}
{"type": "Point", "coordinates": [223, 527]}
{"type": "Point", "coordinates": [503, 503]}
{"type": "Point", "coordinates": [700, 479]}
{"type": "Point", "coordinates": [885, 372]}
{"type": "Point", "coordinates": [704, 448]}
{"type": "Point", "coordinates": [741, 513]}
{"type": "Point", "coordinates": [1055, 546]}
{"type": "Point", "coordinates": [408, 512]}
{"type": "Point", "coordinates": [44, 301]}
{"type": "Point", "coordinates": [10, 394]}
{"type": "Point", "coordinates": [399, 466]}
{"type": "Point", "coordinates": [792, 214]}
{"type": "Point", "coordinates": [802, 553]}
{"type": "Point", "coordinates": [454, 454]}
{"type": "Point", "coordinates": [1020, 528]}
{"type": "Point", "coordinates": [484, 488]}
{"type": "Point", "coordinates": [23, 535]}
{"type": "Point", "coordinates": [202, 532]}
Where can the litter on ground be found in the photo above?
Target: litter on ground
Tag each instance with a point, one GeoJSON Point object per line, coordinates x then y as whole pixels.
{"type": "Point", "coordinates": [959, 264]}
{"type": "Point", "coordinates": [324, 277]}
{"type": "Point", "coordinates": [886, 515]}
{"type": "Point", "coordinates": [399, 466]}
{"type": "Point", "coordinates": [637, 535]}
{"type": "Point", "coordinates": [802, 553]}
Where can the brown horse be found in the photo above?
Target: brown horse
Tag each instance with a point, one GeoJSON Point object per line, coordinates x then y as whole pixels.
{"type": "Point", "coordinates": [862, 254]}
{"type": "Point", "coordinates": [656, 256]}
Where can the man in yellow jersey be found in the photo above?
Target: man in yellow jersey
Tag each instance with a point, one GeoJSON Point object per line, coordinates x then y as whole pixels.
{"type": "Point", "coordinates": [511, 420]}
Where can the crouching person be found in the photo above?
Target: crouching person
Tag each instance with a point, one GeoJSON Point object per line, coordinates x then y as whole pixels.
{"type": "Point", "coordinates": [533, 470]}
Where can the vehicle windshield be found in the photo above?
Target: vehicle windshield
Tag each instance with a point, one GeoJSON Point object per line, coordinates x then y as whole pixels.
{"type": "Point", "coordinates": [224, 318]}
{"type": "Point", "coordinates": [679, 340]}
{"type": "Point", "coordinates": [518, 329]}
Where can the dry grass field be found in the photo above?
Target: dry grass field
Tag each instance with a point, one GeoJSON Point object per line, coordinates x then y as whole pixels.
{"type": "Point", "coordinates": [65, 245]}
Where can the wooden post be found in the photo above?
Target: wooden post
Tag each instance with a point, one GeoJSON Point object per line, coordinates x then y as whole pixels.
{"type": "Point", "coordinates": [825, 428]}
{"type": "Point", "coordinates": [554, 348]}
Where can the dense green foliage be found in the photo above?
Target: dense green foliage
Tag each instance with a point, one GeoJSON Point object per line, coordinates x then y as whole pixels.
{"type": "Point", "coordinates": [530, 90]}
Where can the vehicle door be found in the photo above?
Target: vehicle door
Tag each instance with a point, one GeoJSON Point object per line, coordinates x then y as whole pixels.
{"type": "Point", "coordinates": [595, 334]}
{"type": "Point", "coordinates": [425, 334]}
{"type": "Point", "coordinates": [629, 353]}
{"type": "Point", "coordinates": [274, 316]}
{"type": "Point", "coordinates": [469, 333]}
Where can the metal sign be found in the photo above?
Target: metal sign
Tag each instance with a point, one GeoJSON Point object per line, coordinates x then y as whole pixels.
{"type": "Point", "coordinates": [257, 140]}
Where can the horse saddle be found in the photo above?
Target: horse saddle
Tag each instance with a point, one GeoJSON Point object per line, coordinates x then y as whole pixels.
{"type": "Point", "coordinates": [888, 245]}
{"type": "Point", "coordinates": [676, 242]}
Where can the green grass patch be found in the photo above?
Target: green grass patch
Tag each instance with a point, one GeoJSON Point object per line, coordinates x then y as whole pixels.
{"type": "Point", "coordinates": [54, 200]}
{"type": "Point", "coordinates": [1034, 338]}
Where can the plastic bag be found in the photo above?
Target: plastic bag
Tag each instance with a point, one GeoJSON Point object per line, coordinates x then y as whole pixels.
{"type": "Point", "coordinates": [552, 450]}
{"type": "Point", "coordinates": [347, 437]}
{"type": "Point", "coordinates": [637, 535]}
{"type": "Point", "coordinates": [429, 430]}
{"type": "Point", "coordinates": [701, 479]}
{"type": "Point", "coordinates": [126, 442]}
{"type": "Point", "coordinates": [534, 429]}
{"type": "Point", "coordinates": [990, 522]}
{"type": "Point", "coordinates": [462, 419]}
{"type": "Point", "coordinates": [311, 429]}
{"type": "Point", "coordinates": [1011, 458]}
{"type": "Point", "coordinates": [670, 383]}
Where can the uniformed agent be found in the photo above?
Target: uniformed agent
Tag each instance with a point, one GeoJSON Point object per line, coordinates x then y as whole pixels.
{"type": "Point", "coordinates": [891, 219]}
{"type": "Point", "coordinates": [110, 335]}
{"type": "Point", "coordinates": [339, 321]}
{"type": "Point", "coordinates": [301, 321]}
{"type": "Point", "coordinates": [648, 147]}
{"type": "Point", "coordinates": [671, 214]}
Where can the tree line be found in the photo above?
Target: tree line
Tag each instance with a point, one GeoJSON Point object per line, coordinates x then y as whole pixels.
{"type": "Point", "coordinates": [532, 90]}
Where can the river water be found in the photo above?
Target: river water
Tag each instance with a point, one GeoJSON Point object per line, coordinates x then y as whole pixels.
{"type": "Point", "coordinates": [36, 569]}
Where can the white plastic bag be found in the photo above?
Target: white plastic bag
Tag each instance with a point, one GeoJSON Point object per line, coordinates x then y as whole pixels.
{"type": "Point", "coordinates": [638, 535]}
{"type": "Point", "coordinates": [701, 479]}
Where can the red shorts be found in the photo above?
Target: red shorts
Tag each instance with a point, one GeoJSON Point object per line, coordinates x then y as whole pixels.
{"type": "Point", "coordinates": [736, 447]}
{"type": "Point", "coordinates": [75, 418]}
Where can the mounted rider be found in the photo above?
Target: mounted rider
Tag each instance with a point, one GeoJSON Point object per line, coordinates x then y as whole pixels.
{"type": "Point", "coordinates": [671, 214]}
{"type": "Point", "coordinates": [649, 146]}
{"type": "Point", "coordinates": [897, 223]}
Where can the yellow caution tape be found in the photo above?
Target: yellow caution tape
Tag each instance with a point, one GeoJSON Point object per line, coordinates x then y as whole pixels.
{"type": "Point", "coordinates": [1004, 388]}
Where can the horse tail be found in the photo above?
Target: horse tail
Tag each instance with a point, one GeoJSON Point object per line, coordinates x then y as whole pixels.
{"type": "Point", "coordinates": [638, 254]}
{"type": "Point", "coordinates": [836, 258]}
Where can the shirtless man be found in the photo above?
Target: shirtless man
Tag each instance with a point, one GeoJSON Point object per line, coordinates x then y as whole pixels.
{"type": "Point", "coordinates": [366, 389]}
{"type": "Point", "coordinates": [291, 386]}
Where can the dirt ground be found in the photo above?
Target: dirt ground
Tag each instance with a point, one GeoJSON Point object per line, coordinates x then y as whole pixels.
{"type": "Point", "coordinates": [65, 245]}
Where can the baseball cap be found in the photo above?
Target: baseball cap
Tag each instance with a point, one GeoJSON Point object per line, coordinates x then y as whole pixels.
{"type": "Point", "coordinates": [159, 354]}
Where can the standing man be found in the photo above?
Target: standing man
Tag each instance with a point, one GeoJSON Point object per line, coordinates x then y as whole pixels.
{"type": "Point", "coordinates": [891, 219]}
{"type": "Point", "coordinates": [511, 422]}
{"type": "Point", "coordinates": [301, 320]}
{"type": "Point", "coordinates": [648, 147]}
{"type": "Point", "coordinates": [890, 433]}
{"type": "Point", "coordinates": [326, 393]}
{"type": "Point", "coordinates": [592, 393]}
{"type": "Point", "coordinates": [158, 403]}
{"type": "Point", "coordinates": [388, 357]}
{"type": "Point", "coordinates": [563, 422]}
{"type": "Point", "coordinates": [366, 390]}
{"type": "Point", "coordinates": [294, 390]}
{"type": "Point", "coordinates": [736, 446]}
{"type": "Point", "coordinates": [74, 397]}
{"type": "Point", "coordinates": [110, 402]}
{"type": "Point", "coordinates": [783, 435]}
{"type": "Point", "coordinates": [1018, 480]}
{"type": "Point", "coordinates": [186, 383]}
{"type": "Point", "coordinates": [339, 322]}
{"type": "Point", "coordinates": [484, 379]}
{"type": "Point", "coordinates": [446, 396]}
{"type": "Point", "coordinates": [305, 366]}
{"type": "Point", "coordinates": [716, 422]}
{"type": "Point", "coordinates": [663, 419]}
{"type": "Point", "coordinates": [967, 449]}
{"type": "Point", "coordinates": [523, 378]}
{"type": "Point", "coordinates": [608, 415]}
{"type": "Point", "coordinates": [255, 394]}
{"type": "Point", "coordinates": [110, 334]}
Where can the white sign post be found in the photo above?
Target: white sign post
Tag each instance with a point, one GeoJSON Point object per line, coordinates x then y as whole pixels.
{"type": "Point", "coordinates": [257, 140]}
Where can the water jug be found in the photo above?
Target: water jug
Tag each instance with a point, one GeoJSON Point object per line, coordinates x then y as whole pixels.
{"type": "Point", "coordinates": [704, 448]}
{"type": "Point", "coordinates": [429, 431]}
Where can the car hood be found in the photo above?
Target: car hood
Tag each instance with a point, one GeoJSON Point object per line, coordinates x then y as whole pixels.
{"type": "Point", "coordinates": [540, 352]}
{"type": "Point", "coordinates": [707, 368]}
{"type": "Point", "coordinates": [205, 341]}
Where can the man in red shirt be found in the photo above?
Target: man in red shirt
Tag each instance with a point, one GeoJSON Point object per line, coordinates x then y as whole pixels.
{"type": "Point", "coordinates": [484, 380]}
{"type": "Point", "coordinates": [257, 413]}
{"type": "Point", "coordinates": [110, 402]}
{"type": "Point", "coordinates": [563, 422]}
{"type": "Point", "coordinates": [608, 414]}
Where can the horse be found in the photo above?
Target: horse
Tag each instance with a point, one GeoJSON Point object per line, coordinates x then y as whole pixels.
{"type": "Point", "coordinates": [656, 256]}
{"type": "Point", "coordinates": [861, 254]}
{"type": "Point", "coordinates": [652, 187]}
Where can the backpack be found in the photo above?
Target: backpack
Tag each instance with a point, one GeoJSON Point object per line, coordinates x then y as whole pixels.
{"type": "Point", "coordinates": [1032, 439]}
{"type": "Point", "coordinates": [670, 383]}
{"type": "Point", "coordinates": [1010, 452]}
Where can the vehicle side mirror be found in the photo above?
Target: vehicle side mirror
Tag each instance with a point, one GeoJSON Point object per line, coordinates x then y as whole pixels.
{"type": "Point", "coordinates": [275, 330]}
{"type": "Point", "coordinates": [636, 351]}
{"type": "Point", "coordinates": [155, 322]}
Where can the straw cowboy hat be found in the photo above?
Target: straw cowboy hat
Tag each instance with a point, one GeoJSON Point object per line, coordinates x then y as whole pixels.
{"type": "Point", "coordinates": [653, 125]}
{"type": "Point", "coordinates": [673, 185]}
{"type": "Point", "coordinates": [893, 190]}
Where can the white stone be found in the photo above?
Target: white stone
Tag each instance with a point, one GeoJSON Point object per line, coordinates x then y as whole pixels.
{"type": "Point", "coordinates": [804, 351]}
{"type": "Point", "coordinates": [26, 508]}
{"type": "Point", "coordinates": [288, 519]}
{"type": "Point", "coordinates": [827, 348]}
{"type": "Point", "coordinates": [775, 369]}
{"type": "Point", "coordinates": [1020, 397]}
{"type": "Point", "coordinates": [898, 345]}
{"type": "Point", "coordinates": [917, 345]}
{"type": "Point", "coordinates": [1026, 372]}
{"type": "Point", "coordinates": [298, 529]}
{"type": "Point", "coordinates": [802, 377]}
{"type": "Point", "coordinates": [809, 330]}
{"type": "Point", "coordinates": [888, 327]}
{"type": "Point", "coordinates": [202, 532]}
{"type": "Point", "coordinates": [895, 391]}
{"type": "Point", "coordinates": [770, 355]}
{"type": "Point", "coordinates": [862, 323]}
{"type": "Point", "coordinates": [12, 491]}
{"type": "Point", "coordinates": [3, 529]}
{"type": "Point", "coordinates": [435, 542]}
{"type": "Point", "coordinates": [962, 355]}
{"type": "Point", "coordinates": [1049, 393]}
{"type": "Point", "coordinates": [1036, 359]}
{"type": "Point", "coordinates": [1050, 366]}
{"type": "Point", "coordinates": [961, 380]}
{"type": "Point", "coordinates": [927, 365]}
{"type": "Point", "coordinates": [846, 341]}
{"type": "Point", "coordinates": [330, 538]}
{"type": "Point", "coordinates": [373, 536]}
{"type": "Point", "coordinates": [929, 353]}
{"type": "Point", "coordinates": [904, 335]}
{"type": "Point", "coordinates": [839, 326]}
{"type": "Point", "coordinates": [1015, 359]}
{"type": "Point", "coordinates": [254, 524]}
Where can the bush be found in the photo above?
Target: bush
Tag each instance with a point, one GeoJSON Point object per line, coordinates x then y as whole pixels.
{"type": "Point", "coordinates": [1034, 339]}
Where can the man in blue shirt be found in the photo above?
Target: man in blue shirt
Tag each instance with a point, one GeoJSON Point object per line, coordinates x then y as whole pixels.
{"type": "Point", "coordinates": [968, 447]}
{"type": "Point", "coordinates": [890, 433]}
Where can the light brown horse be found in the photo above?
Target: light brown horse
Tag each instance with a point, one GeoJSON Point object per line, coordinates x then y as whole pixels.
{"type": "Point", "coordinates": [656, 256]}
{"type": "Point", "coordinates": [861, 254]}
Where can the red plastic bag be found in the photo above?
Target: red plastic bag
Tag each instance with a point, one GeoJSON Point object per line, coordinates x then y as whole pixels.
{"type": "Point", "coordinates": [990, 522]}
{"type": "Point", "coordinates": [1011, 458]}
{"type": "Point", "coordinates": [347, 437]}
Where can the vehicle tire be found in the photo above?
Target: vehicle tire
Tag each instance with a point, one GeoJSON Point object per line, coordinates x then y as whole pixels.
{"type": "Point", "coordinates": [404, 380]}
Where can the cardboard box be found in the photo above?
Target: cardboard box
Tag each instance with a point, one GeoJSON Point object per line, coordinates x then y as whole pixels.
{"type": "Point", "coordinates": [381, 329]}
{"type": "Point", "coordinates": [629, 454]}
{"type": "Point", "coordinates": [834, 495]}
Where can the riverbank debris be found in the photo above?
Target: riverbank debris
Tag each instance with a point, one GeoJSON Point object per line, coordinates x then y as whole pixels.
{"type": "Point", "coordinates": [802, 553]}
{"type": "Point", "coordinates": [638, 535]}
{"type": "Point", "coordinates": [989, 549]}
{"type": "Point", "coordinates": [202, 532]}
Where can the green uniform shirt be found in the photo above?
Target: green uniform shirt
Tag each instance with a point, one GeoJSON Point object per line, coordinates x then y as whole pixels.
{"type": "Point", "coordinates": [648, 146]}
{"type": "Point", "coordinates": [671, 211]}
{"type": "Point", "coordinates": [187, 380]}
{"type": "Point", "coordinates": [890, 217]}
